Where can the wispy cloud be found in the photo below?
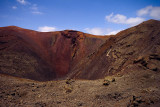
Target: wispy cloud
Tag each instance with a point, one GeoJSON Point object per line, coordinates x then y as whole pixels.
{"type": "Point", "coordinates": [153, 12]}
{"type": "Point", "coordinates": [14, 7]}
{"type": "Point", "coordinates": [101, 31]}
{"type": "Point", "coordinates": [46, 29]}
{"type": "Point", "coordinates": [114, 32]}
{"type": "Point", "coordinates": [23, 2]}
{"type": "Point", "coordinates": [35, 9]}
{"type": "Point", "coordinates": [37, 12]}
{"type": "Point", "coordinates": [97, 31]}
{"type": "Point", "coordinates": [121, 19]}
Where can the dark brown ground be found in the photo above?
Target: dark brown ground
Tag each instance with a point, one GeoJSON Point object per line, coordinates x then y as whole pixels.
{"type": "Point", "coordinates": [139, 87]}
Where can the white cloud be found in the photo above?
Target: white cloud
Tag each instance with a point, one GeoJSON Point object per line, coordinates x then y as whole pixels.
{"type": "Point", "coordinates": [46, 29]}
{"type": "Point", "coordinates": [14, 7]}
{"type": "Point", "coordinates": [22, 2]}
{"type": "Point", "coordinates": [121, 19]}
{"type": "Point", "coordinates": [153, 12]}
{"type": "Point", "coordinates": [113, 32]}
{"type": "Point", "coordinates": [101, 31]}
{"type": "Point", "coordinates": [144, 11]}
{"type": "Point", "coordinates": [97, 31]}
{"type": "Point", "coordinates": [116, 19]}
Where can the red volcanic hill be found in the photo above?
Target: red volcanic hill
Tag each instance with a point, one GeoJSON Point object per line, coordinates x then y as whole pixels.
{"type": "Point", "coordinates": [72, 54]}
{"type": "Point", "coordinates": [43, 56]}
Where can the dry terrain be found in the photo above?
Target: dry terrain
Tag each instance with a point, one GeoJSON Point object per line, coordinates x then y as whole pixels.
{"type": "Point", "coordinates": [138, 88]}
{"type": "Point", "coordinates": [71, 68]}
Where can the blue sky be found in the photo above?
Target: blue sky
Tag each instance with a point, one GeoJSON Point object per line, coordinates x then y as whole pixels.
{"type": "Point", "coordinates": [98, 17]}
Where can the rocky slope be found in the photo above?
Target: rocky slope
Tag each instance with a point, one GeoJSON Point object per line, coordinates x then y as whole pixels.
{"type": "Point", "coordinates": [120, 70]}
{"type": "Point", "coordinates": [73, 54]}
{"type": "Point", "coordinates": [136, 45]}
{"type": "Point", "coordinates": [43, 56]}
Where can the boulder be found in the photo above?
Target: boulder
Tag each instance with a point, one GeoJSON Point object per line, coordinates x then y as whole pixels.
{"type": "Point", "coordinates": [108, 80]}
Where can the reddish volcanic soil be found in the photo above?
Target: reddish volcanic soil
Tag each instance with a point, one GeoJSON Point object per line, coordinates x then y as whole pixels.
{"type": "Point", "coordinates": [49, 55]}
{"type": "Point", "coordinates": [72, 68]}
{"type": "Point", "coordinates": [73, 54]}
